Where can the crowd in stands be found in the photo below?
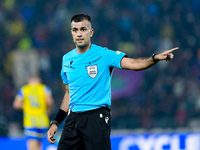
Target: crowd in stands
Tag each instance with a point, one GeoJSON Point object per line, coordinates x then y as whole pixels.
{"type": "Point", "coordinates": [35, 34]}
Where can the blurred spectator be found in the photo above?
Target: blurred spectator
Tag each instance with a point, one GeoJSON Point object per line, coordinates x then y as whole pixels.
{"type": "Point", "coordinates": [25, 62]}
{"type": "Point", "coordinates": [45, 65]}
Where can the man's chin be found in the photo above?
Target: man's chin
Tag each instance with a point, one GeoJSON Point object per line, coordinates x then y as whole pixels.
{"type": "Point", "coordinates": [81, 45]}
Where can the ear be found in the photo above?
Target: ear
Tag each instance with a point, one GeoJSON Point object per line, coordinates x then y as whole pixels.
{"type": "Point", "coordinates": [91, 32]}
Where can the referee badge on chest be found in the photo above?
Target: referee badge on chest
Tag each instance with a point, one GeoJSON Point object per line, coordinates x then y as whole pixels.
{"type": "Point", "coordinates": [92, 71]}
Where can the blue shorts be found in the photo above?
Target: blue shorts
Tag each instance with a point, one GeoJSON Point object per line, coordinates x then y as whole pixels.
{"type": "Point", "coordinates": [35, 133]}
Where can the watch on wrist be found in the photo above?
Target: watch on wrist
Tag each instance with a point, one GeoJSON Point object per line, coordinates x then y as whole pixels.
{"type": "Point", "coordinates": [153, 57]}
{"type": "Point", "coordinates": [54, 122]}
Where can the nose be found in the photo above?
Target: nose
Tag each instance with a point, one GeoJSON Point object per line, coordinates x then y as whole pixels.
{"type": "Point", "coordinates": [79, 33]}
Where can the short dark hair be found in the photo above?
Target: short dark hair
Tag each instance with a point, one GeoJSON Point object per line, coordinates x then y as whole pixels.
{"type": "Point", "coordinates": [81, 17]}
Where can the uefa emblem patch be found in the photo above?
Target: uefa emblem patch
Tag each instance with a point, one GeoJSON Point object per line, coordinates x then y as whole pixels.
{"type": "Point", "coordinates": [92, 71]}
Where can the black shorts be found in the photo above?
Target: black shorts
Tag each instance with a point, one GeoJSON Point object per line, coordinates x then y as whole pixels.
{"type": "Point", "coordinates": [87, 131]}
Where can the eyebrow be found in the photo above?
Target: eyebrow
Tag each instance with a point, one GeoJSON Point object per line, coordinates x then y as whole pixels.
{"type": "Point", "coordinates": [80, 27]}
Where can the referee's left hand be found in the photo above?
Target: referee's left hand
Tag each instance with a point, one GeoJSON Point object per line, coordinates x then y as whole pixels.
{"type": "Point", "coordinates": [51, 133]}
{"type": "Point", "coordinates": [166, 55]}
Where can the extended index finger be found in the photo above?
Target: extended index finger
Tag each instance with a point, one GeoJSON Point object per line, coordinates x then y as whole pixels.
{"type": "Point", "coordinates": [173, 49]}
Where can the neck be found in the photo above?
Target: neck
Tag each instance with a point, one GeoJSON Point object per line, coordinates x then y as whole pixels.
{"type": "Point", "coordinates": [83, 49]}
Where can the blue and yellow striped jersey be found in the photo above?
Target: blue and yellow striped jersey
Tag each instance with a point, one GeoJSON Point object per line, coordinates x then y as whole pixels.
{"type": "Point", "coordinates": [34, 105]}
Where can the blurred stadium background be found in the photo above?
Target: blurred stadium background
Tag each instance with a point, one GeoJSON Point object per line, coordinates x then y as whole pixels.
{"type": "Point", "coordinates": [161, 103]}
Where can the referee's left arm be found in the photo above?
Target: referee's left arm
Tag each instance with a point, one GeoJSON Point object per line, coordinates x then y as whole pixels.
{"type": "Point", "coordinates": [144, 63]}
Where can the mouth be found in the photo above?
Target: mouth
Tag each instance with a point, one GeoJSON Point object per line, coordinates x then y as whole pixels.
{"type": "Point", "coordinates": [79, 40]}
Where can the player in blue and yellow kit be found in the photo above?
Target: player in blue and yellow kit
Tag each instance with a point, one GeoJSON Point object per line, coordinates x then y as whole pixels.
{"type": "Point", "coordinates": [35, 99]}
{"type": "Point", "coordinates": [86, 72]}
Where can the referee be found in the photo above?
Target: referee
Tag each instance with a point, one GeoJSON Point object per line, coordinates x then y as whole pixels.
{"type": "Point", "coordinates": [86, 72]}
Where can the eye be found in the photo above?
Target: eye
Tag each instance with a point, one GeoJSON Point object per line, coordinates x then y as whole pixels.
{"type": "Point", "coordinates": [83, 29]}
{"type": "Point", "coordinates": [74, 30]}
